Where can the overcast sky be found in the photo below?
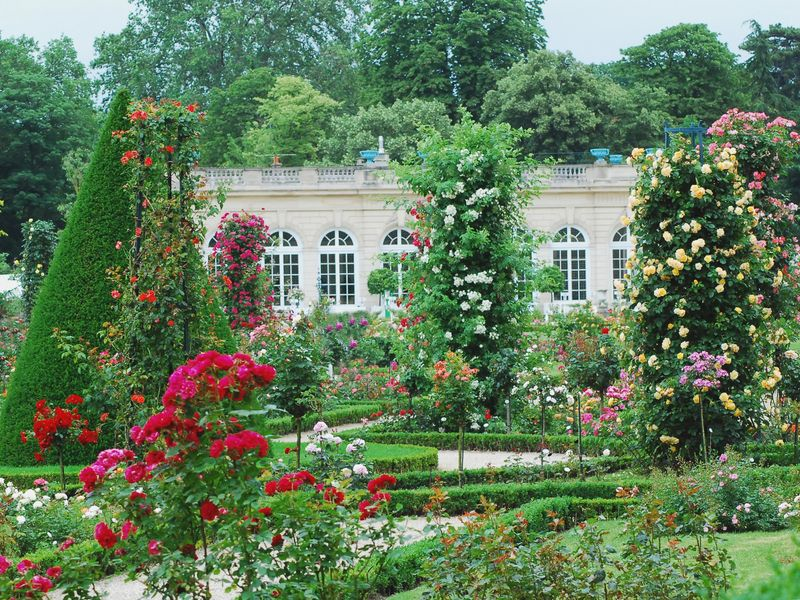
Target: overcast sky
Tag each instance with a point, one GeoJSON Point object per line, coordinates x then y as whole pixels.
{"type": "Point", "coordinates": [594, 30]}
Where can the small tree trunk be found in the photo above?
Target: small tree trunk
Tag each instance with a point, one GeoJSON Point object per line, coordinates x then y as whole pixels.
{"type": "Point", "coordinates": [61, 468]}
{"type": "Point", "coordinates": [460, 455]}
{"type": "Point", "coordinates": [703, 429]}
{"type": "Point", "coordinates": [299, 425]}
{"type": "Point", "coordinates": [541, 444]}
{"type": "Point", "coordinates": [508, 415]}
{"type": "Point", "coordinates": [795, 438]}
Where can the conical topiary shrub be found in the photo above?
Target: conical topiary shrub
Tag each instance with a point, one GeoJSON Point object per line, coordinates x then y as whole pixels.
{"type": "Point", "coordinates": [76, 294]}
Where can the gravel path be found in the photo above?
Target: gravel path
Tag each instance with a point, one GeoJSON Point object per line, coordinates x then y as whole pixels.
{"type": "Point", "coordinates": [475, 459]}
{"type": "Point", "coordinates": [117, 588]}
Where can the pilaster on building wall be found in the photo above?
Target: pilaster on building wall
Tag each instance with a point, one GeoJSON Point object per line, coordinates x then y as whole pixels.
{"type": "Point", "coordinates": [580, 205]}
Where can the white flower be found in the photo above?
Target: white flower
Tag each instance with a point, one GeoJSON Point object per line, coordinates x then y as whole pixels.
{"type": "Point", "coordinates": [360, 470]}
{"type": "Point", "coordinates": [320, 427]}
{"type": "Point", "coordinates": [60, 496]}
{"type": "Point", "coordinates": [457, 281]}
{"type": "Point", "coordinates": [465, 305]}
{"type": "Point", "coordinates": [473, 295]}
{"type": "Point", "coordinates": [312, 448]}
{"type": "Point", "coordinates": [38, 504]}
{"type": "Point", "coordinates": [350, 448]}
{"type": "Point", "coordinates": [346, 473]}
{"type": "Point", "coordinates": [485, 305]}
{"type": "Point", "coordinates": [606, 452]}
{"type": "Point", "coordinates": [21, 520]}
{"type": "Point", "coordinates": [545, 452]}
{"type": "Point", "coordinates": [448, 221]}
{"type": "Point", "coordinates": [480, 329]}
{"type": "Point", "coordinates": [450, 210]}
{"type": "Point", "coordinates": [448, 335]}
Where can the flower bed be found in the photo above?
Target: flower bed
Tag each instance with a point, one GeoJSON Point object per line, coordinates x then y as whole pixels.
{"type": "Point", "coordinates": [395, 458]}
{"type": "Point", "coordinates": [405, 563]}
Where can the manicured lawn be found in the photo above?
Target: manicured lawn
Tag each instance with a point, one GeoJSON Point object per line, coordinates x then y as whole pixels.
{"type": "Point", "coordinates": [753, 552]}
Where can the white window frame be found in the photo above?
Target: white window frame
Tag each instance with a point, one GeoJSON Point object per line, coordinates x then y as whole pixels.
{"type": "Point", "coordinates": [281, 252]}
{"type": "Point", "coordinates": [397, 248]}
{"type": "Point", "coordinates": [339, 249]}
{"type": "Point", "coordinates": [620, 242]}
{"type": "Point", "coordinates": [573, 248]}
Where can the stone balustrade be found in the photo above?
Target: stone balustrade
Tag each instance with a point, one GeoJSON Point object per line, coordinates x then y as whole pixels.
{"type": "Point", "coordinates": [365, 177]}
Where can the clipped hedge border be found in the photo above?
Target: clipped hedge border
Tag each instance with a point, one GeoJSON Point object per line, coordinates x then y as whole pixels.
{"type": "Point", "coordinates": [771, 455]}
{"type": "Point", "coordinates": [506, 495]}
{"type": "Point", "coordinates": [402, 571]}
{"type": "Point", "coordinates": [23, 477]}
{"type": "Point", "coordinates": [527, 473]}
{"type": "Point", "coordinates": [508, 442]}
{"type": "Point", "coordinates": [416, 458]}
{"type": "Point", "coordinates": [350, 413]}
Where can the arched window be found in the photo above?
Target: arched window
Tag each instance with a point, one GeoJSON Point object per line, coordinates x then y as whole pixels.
{"type": "Point", "coordinates": [337, 268]}
{"type": "Point", "coordinates": [282, 262]}
{"type": "Point", "coordinates": [620, 249]}
{"type": "Point", "coordinates": [570, 254]}
{"type": "Point", "coordinates": [396, 243]}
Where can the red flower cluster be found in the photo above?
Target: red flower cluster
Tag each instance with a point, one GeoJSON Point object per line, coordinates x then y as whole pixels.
{"type": "Point", "coordinates": [57, 426]}
{"type": "Point", "coordinates": [148, 296]}
{"type": "Point", "coordinates": [106, 461]}
{"type": "Point", "coordinates": [238, 443]}
{"type": "Point", "coordinates": [332, 494]}
{"type": "Point", "coordinates": [291, 482]}
{"type": "Point", "coordinates": [105, 536]}
{"type": "Point", "coordinates": [129, 156]}
{"type": "Point", "coordinates": [209, 511]}
{"type": "Point", "coordinates": [370, 507]}
{"type": "Point", "coordinates": [138, 115]}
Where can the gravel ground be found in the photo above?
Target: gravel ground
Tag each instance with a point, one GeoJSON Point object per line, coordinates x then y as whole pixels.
{"type": "Point", "coordinates": [116, 588]}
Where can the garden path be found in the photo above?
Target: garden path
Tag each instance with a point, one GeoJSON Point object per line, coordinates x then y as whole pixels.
{"type": "Point", "coordinates": [116, 588]}
{"type": "Point", "coordinates": [448, 459]}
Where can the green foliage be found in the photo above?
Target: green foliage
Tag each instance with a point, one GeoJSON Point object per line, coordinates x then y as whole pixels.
{"type": "Point", "coordinates": [451, 52]}
{"type": "Point", "coordinates": [76, 294]}
{"type": "Point", "coordinates": [47, 112]}
{"type": "Point", "coordinates": [401, 124]}
{"type": "Point", "coordinates": [525, 473]}
{"type": "Point", "coordinates": [340, 415]}
{"type": "Point", "coordinates": [696, 70]}
{"type": "Point", "coordinates": [294, 117]}
{"type": "Point", "coordinates": [473, 251]}
{"type": "Point", "coordinates": [509, 442]}
{"type": "Point", "coordinates": [231, 111]}
{"type": "Point", "coordinates": [548, 279]}
{"type": "Point", "coordinates": [188, 50]}
{"type": "Point", "coordinates": [731, 491]}
{"type": "Point", "coordinates": [569, 108]}
{"type": "Point", "coordinates": [382, 281]}
{"type": "Point", "coordinates": [39, 243]}
{"type": "Point", "coordinates": [167, 310]}
{"type": "Point", "coordinates": [467, 498]}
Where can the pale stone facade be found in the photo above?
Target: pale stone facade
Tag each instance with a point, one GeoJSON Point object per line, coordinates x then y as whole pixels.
{"type": "Point", "coordinates": [333, 222]}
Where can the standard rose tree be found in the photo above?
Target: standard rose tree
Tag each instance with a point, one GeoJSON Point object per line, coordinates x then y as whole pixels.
{"type": "Point", "coordinates": [55, 428]}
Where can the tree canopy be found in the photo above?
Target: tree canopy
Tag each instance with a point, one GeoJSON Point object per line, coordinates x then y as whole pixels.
{"type": "Point", "coordinates": [45, 112]}
{"type": "Point", "coordinates": [452, 52]}
{"type": "Point", "coordinates": [567, 107]}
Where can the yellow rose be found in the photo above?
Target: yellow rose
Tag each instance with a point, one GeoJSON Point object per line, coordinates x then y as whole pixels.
{"type": "Point", "coordinates": [660, 293]}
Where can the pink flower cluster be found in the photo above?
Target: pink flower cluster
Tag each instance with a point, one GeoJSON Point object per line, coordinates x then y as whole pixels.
{"type": "Point", "coordinates": [106, 461]}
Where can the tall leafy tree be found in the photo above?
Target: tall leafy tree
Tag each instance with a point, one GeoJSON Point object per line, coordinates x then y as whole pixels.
{"type": "Point", "coordinates": [295, 116]}
{"type": "Point", "coordinates": [400, 124]}
{"type": "Point", "coordinates": [774, 67]}
{"type": "Point", "coordinates": [689, 62]}
{"type": "Point", "coordinates": [442, 50]}
{"type": "Point", "coordinates": [568, 108]}
{"type": "Point", "coordinates": [45, 111]}
{"type": "Point", "coordinates": [181, 49]}
{"type": "Point", "coordinates": [231, 111]}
